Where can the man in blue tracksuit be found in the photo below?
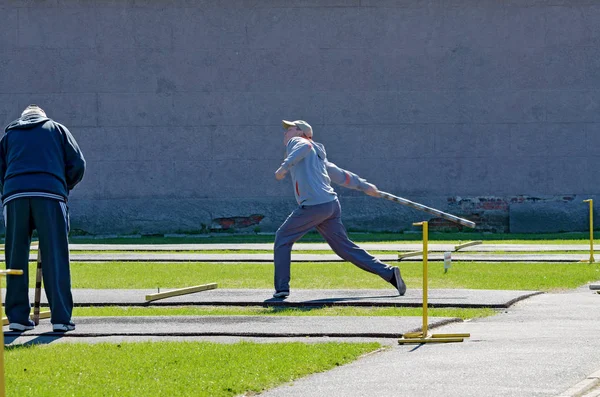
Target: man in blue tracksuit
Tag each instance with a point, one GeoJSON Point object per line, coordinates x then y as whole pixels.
{"type": "Point", "coordinates": [319, 208]}
{"type": "Point", "coordinates": [40, 163]}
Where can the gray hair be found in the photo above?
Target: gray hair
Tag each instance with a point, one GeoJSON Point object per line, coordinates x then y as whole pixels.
{"type": "Point", "coordinates": [33, 109]}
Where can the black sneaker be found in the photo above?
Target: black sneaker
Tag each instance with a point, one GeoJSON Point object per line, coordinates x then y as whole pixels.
{"type": "Point", "coordinates": [397, 282]}
{"type": "Point", "coordinates": [281, 294]}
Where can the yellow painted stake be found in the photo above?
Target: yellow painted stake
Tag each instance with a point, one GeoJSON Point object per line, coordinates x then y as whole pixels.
{"type": "Point", "coordinates": [425, 272]}
{"type": "Point", "coordinates": [422, 337]}
{"type": "Point", "coordinates": [11, 272]}
{"type": "Point", "coordinates": [591, 229]}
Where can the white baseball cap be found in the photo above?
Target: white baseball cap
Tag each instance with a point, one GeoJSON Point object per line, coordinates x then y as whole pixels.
{"type": "Point", "coordinates": [303, 125]}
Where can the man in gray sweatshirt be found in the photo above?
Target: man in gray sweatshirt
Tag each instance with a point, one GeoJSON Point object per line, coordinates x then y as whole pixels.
{"type": "Point", "coordinates": [312, 174]}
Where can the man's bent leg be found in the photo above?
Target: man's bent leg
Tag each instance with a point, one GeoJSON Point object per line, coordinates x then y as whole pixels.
{"type": "Point", "coordinates": [18, 240]}
{"type": "Point", "coordinates": [51, 221]}
{"type": "Point", "coordinates": [334, 232]}
{"type": "Point", "coordinates": [295, 226]}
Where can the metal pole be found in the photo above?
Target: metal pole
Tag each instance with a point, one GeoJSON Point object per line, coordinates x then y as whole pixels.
{"type": "Point", "coordinates": [38, 288]}
{"type": "Point", "coordinates": [591, 201]}
{"type": "Point", "coordinates": [429, 210]}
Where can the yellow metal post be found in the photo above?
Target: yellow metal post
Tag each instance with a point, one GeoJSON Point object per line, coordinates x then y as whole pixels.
{"type": "Point", "coordinates": [591, 201]}
{"type": "Point", "coordinates": [2, 383]}
{"type": "Point", "coordinates": [422, 337]}
{"type": "Point", "coordinates": [425, 272]}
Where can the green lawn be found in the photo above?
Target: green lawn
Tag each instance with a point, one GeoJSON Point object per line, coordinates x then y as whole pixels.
{"type": "Point", "coordinates": [168, 368]}
{"type": "Point", "coordinates": [300, 251]}
{"type": "Point", "coordinates": [278, 311]}
{"type": "Point", "coordinates": [211, 369]}
{"type": "Point", "coordinates": [339, 275]}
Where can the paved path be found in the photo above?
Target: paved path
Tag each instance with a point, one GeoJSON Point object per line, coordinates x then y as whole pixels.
{"type": "Point", "coordinates": [540, 347]}
{"type": "Point", "coordinates": [263, 297]}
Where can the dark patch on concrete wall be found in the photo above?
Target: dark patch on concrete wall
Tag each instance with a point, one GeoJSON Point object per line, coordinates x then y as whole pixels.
{"type": "Point", "coordinates": [236, 222]}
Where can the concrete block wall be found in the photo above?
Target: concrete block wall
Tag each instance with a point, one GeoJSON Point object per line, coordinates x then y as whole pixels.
{"type": "Point", "coordinates": [470, 106]}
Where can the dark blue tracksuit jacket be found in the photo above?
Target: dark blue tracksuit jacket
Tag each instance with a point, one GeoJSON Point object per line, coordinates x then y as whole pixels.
{"type": "Point", "coordinates": [37, 156]}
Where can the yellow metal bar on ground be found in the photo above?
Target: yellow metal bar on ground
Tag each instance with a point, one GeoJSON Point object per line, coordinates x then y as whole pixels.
{"type": "Point", "coordinates": [436, 336]}
{"type": "Point", "coordinates": [409, 254]}
{"type": "Point", "coordinates": [181, 291]}
{"type": "Point", "coordinates": [410, 335]}
{"type": "Point", "coordinates": [469, 244]}
{"type": "Point", "coordinates": [429, 340]}
{"type": "Point", "coordinates": [44, 314]}
{"type": "Point", "coordinates": [591, 201]}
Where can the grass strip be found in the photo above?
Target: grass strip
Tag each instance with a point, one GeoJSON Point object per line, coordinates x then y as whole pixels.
{"type": "Point", "coordinates": [119, 311]}
{"type": "Point", "coordinates": [168, 368]}
{"type": "Point", "coordinates": [338, 275]}
{"type": "Point", "coordinates": [319, 252]}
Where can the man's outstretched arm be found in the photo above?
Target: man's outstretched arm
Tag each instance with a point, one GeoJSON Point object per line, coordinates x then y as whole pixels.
{"type": "Point", "coordinates": [350, 180]}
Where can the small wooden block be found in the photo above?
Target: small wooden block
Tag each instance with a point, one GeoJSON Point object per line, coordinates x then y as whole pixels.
{"type": "Point", "coordinates": [11, 272]}
{"type": "Point", "coordinates": [44, 314]}
{"type": "Point", "coordinates": [180, 291]}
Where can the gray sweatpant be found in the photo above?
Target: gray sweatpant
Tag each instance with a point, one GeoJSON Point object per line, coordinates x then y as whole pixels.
{"type": "Point", "coordinates": [326, 218]}
{"type": "Point", "coordinates": [51, 220]}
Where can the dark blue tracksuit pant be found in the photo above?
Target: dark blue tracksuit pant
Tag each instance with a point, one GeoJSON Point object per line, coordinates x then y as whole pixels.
{"type": "Point", "coordinates": [51, 220]}
{"type": "Point", "coordinates": [327, 219]}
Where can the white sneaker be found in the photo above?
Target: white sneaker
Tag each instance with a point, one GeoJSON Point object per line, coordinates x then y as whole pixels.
{"type": "Point", "coordinates": [20, 327]}
{"type": "Point", "coordinates": [63, 327]}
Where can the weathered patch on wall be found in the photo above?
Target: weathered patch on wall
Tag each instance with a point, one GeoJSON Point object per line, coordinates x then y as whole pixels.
{"type": "Point", "coordinates": [236, 222]}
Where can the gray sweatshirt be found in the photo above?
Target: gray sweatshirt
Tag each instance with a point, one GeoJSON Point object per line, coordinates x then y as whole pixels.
{"type": "Point", "coordinates": [312, 174]}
